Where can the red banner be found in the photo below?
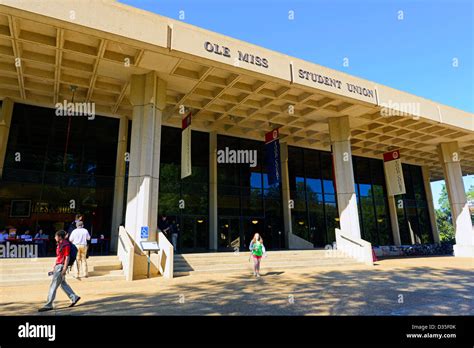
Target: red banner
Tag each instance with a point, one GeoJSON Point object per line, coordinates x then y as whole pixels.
{"type": "Point", "coordinates": [271, 136]}
{"type": "Point", "coordinates": [392, 155]}
{"type": "Point", "coordinates": [186, 122]}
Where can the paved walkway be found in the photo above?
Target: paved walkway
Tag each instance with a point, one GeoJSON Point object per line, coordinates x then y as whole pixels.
{"type": "Point", "coordinates": [410, 286]}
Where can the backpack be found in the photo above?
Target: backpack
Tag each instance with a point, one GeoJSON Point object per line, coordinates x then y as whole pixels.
{"type": "Point", "coordinates": [72, 253]}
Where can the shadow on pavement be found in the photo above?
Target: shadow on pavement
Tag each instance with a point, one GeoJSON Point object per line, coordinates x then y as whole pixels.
{"type": "Point", "coordinates": [415, 291]}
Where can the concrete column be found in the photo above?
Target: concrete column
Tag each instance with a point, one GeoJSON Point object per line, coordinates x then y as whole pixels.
{"type": "Point", "coordinates": [5, 120]}
{"type": "Point", "coordinates": [148, 97]}
{"type": "Point", "coordinates": [429, 199]}
{"type": "Point", "coordinates": [450, 160]}
{"type": "Point", "coordinates": [119, 185]}
{"type": "Point", "coordinates": [213, 222]}
{"type": "Point", "coordinates": [285, 193]}
{"type": "Point", "coordinates": [339, 132]}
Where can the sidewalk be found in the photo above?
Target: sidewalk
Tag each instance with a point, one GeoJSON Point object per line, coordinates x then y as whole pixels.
{"type": "Point", "coordinates": [410, 286]}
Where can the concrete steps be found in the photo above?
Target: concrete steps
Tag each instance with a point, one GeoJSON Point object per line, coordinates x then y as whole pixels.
{"type": "Point", "coordinates": [20, 271]}
{"type": "Point", "coordinates": [189, 264]}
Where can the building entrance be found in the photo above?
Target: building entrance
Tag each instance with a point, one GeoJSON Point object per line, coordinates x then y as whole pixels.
{"type": "Point", "coordinates": [235, 233]}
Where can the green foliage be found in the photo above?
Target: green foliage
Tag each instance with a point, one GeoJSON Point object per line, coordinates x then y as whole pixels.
{"type": "Point", "coordinates": [470, 197]}
{"type": "Point", "coordinates": [470, 193]}
{"type": "Point", "coordinates": [445, 226]}
{"type": "Point", "coordinates": [444, 219]}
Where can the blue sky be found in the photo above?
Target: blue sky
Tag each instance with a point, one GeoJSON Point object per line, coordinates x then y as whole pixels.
{"type": "Point", "coordinates": [415, 54]}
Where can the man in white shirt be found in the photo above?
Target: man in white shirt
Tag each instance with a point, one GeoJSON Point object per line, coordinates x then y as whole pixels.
{"type": "Point", "coordinates": [79, 238]}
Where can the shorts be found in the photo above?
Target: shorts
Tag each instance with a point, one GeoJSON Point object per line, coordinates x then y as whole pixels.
{"type": "Point", "coordinates": [257, 257]}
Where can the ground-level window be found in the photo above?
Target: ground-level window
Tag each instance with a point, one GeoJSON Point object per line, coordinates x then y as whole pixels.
{"type": "Point", "coordinates": [185, 201]}
{"type": "Point", "coordinates": [412, 208]}
{"type": "Point", "coordinates": [374, 218]}
{"type": "Point", "coordinates": [58, 166]}
{"type": "Point", "coordinates": [314, 216]}
{"type": "Point", "coordinates": [246, 203]}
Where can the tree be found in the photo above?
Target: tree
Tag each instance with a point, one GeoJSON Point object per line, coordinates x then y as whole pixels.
{"type": "Point", "coordinates": [470, 193]}
{"type": "Point", "coordinates": [470, 197]}
{"type": "Point", "coordinates": [444, 219]}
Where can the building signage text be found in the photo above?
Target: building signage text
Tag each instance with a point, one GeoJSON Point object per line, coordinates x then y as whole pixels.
{"type": "Point", "coordinates": [241, 56]}
{"type": "Point", "coordinates": [335, 83]}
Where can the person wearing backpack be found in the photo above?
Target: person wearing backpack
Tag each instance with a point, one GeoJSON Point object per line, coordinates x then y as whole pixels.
{"type": "Point", "coordinates": [64, 259]}
{"type": "Point", "coordinates": [79, 237]}
{"type": "Point", "coordinates": [257, 250]}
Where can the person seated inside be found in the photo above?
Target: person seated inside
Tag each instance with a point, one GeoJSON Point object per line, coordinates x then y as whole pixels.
{"type": "Point", "coordinates": [12, 233]}
{"type": "Point", "coordinates": [3, 235]}
{"type": "Point", "coordinates": [42, 240]}
{"type": "Point", "coordinates": [41, 235]}
{"type": "Point", "coordinates": [26, 236]}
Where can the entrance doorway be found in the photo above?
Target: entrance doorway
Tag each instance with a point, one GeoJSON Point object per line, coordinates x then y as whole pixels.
{"type": "Point", "coordinates": [235, 233]}
{"type": "Point", "coordinates": [229, 238]}
{"type": "Point", "coordinates": [193, 235]}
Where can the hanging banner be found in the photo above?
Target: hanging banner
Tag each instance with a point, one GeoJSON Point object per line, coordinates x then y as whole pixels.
{"type": "Point", "coordinates": [394, 173]}
{"type": "Point", "coordinates": [186, 147]}
{"type": "Point", "coordinates": [272, 157]}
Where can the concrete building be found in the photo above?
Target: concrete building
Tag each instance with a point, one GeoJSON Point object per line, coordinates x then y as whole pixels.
{"type": "Point", "coordinates": [138, 74]}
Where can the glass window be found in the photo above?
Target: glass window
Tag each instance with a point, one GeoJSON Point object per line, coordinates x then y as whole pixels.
{"type": "Point", "coordinates": [412, 208]}
{"type": "Point", "coordinates": [193, 190]}
{"type": "Point", "coordinates": [245, 199]}
{"type": "Point", "coordinates": [314, 216]}
{"type": "Point", "coordinates": [372, 200]}
{"type": "Point", "coordinates": [62, 160]}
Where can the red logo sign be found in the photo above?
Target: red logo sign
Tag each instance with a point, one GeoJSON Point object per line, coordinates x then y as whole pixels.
{"type": "Point", "coordinates": [392, 155]}
{"type": "Point", "coordinates": [186, 122]}
{"type": "Point", "coordinates": [270, 136]}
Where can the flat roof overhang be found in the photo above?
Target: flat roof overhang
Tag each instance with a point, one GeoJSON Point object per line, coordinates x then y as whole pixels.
{"type": "Point", "coordinates": [97, 45]}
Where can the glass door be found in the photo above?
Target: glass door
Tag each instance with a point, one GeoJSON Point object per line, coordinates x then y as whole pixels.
{"type": "Point", "coordinates": [192, 233]}
{"type": "Point", "coordinates": [229, 238]}
{"type": "Point", "coordinates": [252, 226]}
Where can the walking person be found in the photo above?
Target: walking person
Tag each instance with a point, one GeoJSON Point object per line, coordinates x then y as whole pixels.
{"type": "Point", "coordinates": [164, 226]}
{"type": "Point", "coordinates": [73, 225]}
{"type": "Point", "coordinates": [79, 238]}
{"type": "Point", "coordinates": [174, 234]}
{"type": "Point", "coordinates": [257, 250]}
{"type": "Point", "coordinates": [63, 254]}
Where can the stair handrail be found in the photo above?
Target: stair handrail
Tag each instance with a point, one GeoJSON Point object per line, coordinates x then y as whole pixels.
{"type": "Point", "coordinates": [354, 247]}
{"type": "Point", "coordinates": [126, 252]}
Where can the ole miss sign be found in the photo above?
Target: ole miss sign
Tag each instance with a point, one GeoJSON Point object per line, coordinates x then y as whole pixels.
{"type": "Point", "coordinates": [241, 56]}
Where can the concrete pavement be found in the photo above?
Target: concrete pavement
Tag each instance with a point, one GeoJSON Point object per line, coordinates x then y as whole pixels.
{"type": "Point", "coordinates": [409, 286]}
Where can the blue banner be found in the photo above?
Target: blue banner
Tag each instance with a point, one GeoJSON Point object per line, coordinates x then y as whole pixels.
{"type": "Point", "coordinates": [272, 162]}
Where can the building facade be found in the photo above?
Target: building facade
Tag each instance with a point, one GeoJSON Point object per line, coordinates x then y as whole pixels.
{"type": "Point", "coordinates": [120, 162]}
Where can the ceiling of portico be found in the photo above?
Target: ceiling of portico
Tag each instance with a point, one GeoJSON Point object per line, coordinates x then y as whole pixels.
{"type": "Point", "coordinates": [55, 55]}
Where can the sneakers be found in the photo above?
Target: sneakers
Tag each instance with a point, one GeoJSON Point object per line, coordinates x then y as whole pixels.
{"type": "Point", "coordinates": [74, 303]}
{"type": "Point", "coordinates": [45, 309]}
{"type": "Point", "coordinates": [258, 275]}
